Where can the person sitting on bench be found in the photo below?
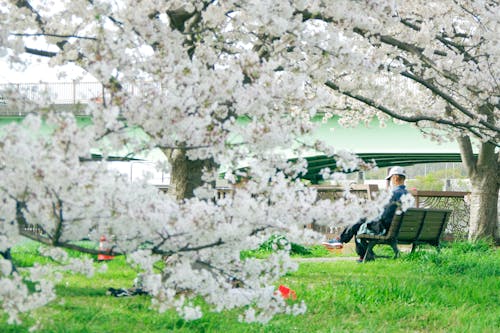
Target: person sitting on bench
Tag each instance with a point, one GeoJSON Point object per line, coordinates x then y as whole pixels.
{"type": "Point", "coordinates": [397, 177]}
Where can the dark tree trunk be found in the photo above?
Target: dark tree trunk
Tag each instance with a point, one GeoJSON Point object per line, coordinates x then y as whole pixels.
{"type": "Point", "coordinates": [484, 174]}
{"type": "Point", "coordinates": [186, 174]}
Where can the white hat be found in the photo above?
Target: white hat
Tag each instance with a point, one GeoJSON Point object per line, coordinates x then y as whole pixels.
{"type": "Point", "coordinates": [396, 170]}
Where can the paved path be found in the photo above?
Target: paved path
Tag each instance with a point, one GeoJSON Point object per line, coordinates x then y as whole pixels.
{"type": "Point", "coordinates": [325, 259]}
{"type": "Point", "coordinates": [348, 253]}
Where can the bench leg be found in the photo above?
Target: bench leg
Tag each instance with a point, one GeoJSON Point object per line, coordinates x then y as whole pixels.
{"type": "Point", "coordinates": [413, 247]}
{"type": "Point", "coordinates": [369, 252]}
{"type": "Point", "coordinates": [394, 246]}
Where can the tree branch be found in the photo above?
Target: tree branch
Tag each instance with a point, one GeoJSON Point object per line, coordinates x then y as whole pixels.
{"type": "Point", "coordinates": [372, 103]}
{"type": "Point", "coordinates": [410, 48]}
{"type": "Point", "coordinates": [468, 158]}
{"type": "Point", "coordinates": [409, 24]}
{"type": "Point", "coordinates": [187, 248]}
{"type": "Point", "coordinates": [442, 38]}
{"type": "Point", "coordinates": [486, 154]}
{"type": "Point", "coordinates": [51, 35]}
{"type": "Point", "coordinates": [42, 53]}
{"type": "Point", "coordinates": [26, 4]}
{"type": "Point", "coordinates": [450, 100]}
{"type": "Point", "coordinates": [50, 241]}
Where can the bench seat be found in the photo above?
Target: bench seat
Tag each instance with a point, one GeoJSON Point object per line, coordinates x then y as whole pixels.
{"type": "Point", "coordinates": [415, 226]}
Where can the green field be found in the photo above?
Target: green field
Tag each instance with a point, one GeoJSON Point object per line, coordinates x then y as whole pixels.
{"type": "Point", "coordinates": [457, 290]}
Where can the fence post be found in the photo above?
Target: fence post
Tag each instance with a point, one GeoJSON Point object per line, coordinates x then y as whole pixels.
{"type": "Point", "coordinates": [74, 92]}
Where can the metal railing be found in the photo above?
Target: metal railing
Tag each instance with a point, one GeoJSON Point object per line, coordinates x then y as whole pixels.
{"type": "Point", "coordinates": [458, 224]}
{"type": "Point", "coordinates": [57, 92]}
{"type": "Point", "coordinates": [65, 94]}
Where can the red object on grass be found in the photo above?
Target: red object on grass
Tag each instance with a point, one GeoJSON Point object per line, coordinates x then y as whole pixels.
{"type": "Point", "coordinates": [287, 292]}
{"type": "Point", "coordinates": [102, 247]}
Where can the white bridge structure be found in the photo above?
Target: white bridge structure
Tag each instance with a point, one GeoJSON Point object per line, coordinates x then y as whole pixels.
{"type": "Point", "coordinates": [73, 97]}
{"type": "Point", "coordinates": [70, 96]}
{"type": "Point", "coordinates": [58, 92]}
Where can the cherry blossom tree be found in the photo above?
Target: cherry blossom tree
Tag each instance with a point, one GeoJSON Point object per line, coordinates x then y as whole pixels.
{"type": "Point", "coordinates": [221, 85]}
{"type": "Point", "coordinates": [437, 67]}
{"type": "Point", "coordinates": [214, 89]}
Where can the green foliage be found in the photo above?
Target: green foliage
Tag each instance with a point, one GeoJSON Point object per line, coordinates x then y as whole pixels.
{"type": "Point", "coordinates": [301, 250]}
{"type": "Point", "coordinates": [428, 182]}
{"type": "Point", "coordinates": [376, 174]}
{"type": "Point", "coordinates": [28, 253]}
{"type": "Point", "coordinates": [314, 251]}
{"type": "Point", "coordinates": [451, 291]}
{"type": "Point", "coordinates": [274, 243]}
{"type": "Point", "coordinates": [472, 259]}
{"type": "Point", "coordinates": [277, 243]}
{"type": "Point", "coordinates": [280, 243]}
{"type": "Point", "coordinates": [478, 247]}
{"type": "Point", "coordinates": [434, 181]}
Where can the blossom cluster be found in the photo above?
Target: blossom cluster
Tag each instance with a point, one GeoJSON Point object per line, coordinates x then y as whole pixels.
{"type": "Point", "coordinates": [234, 84]}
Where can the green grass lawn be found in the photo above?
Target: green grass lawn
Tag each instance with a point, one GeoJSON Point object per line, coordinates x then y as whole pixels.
{"type": "Point", "coordinates": [457, 290]}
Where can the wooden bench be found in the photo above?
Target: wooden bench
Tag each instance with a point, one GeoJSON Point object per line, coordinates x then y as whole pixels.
{"type": "Point", "coordinates": [415, 226]}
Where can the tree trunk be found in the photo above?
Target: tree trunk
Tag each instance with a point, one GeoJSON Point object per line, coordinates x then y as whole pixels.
{"type": "Point", "coordinates": [483, 223]}
{"type": "Point", "coordinates": [185, 174]}
{"type": "Point", "coordinates": [484, 174]}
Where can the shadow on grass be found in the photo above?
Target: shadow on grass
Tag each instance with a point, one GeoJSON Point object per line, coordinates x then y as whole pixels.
{"type": "Point", "coordinates": [72, 291]}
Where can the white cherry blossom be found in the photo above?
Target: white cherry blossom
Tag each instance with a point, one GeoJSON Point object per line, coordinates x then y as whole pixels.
{"type": "Point", "coordinates": [224, 86]}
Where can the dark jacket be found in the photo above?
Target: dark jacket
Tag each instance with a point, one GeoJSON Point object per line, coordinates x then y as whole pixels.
{"type": "Point", "coordinates": [391, 207]}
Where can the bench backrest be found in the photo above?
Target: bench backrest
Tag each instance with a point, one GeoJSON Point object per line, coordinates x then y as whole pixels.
{"type": "Point", "coordinates": [332, 192]}
{"type": "Point", "coordinates": [420, 225]}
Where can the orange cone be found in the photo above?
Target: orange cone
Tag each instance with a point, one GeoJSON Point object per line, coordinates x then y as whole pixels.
{"type": "Point", "coordinates": [102, 247]}
{"type": "Point", "coordinates": [287, 293]}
